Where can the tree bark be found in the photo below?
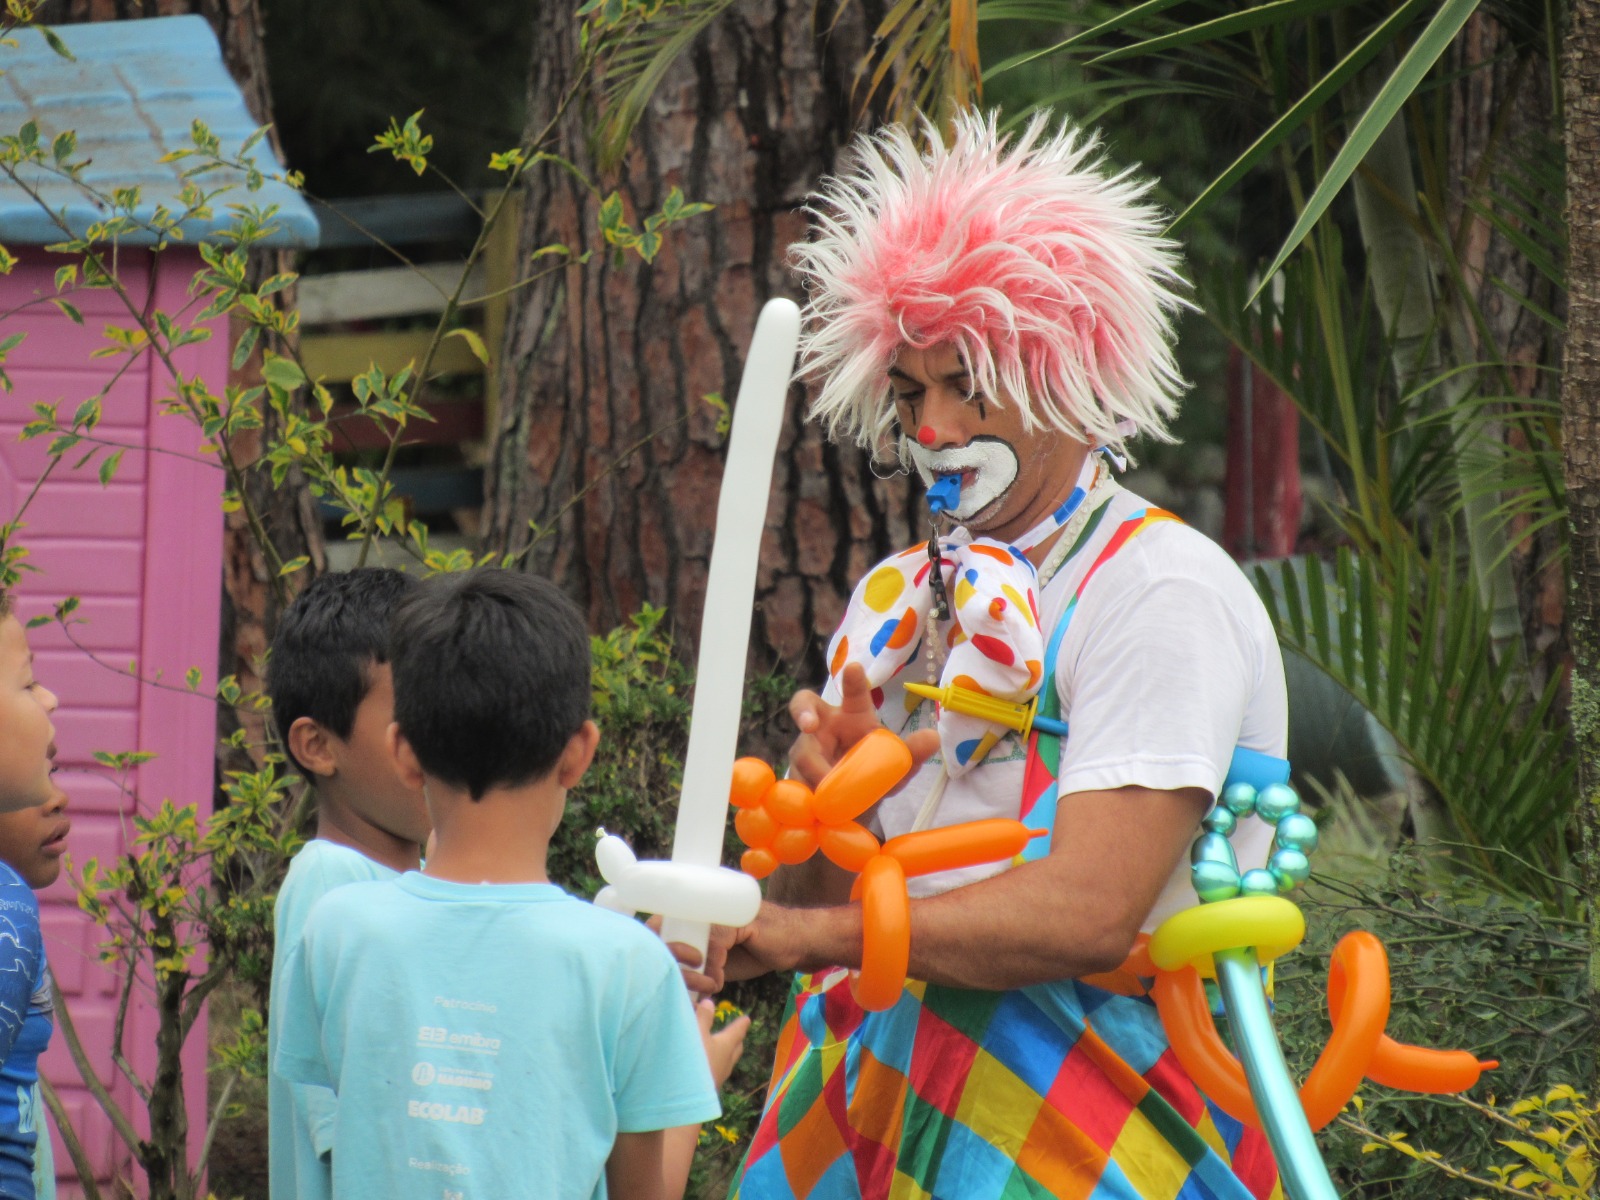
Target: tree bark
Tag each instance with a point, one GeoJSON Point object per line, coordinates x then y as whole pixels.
{"type": "Point", "coordinates": [602, 356]}
{"type": "Point", "coordinates": [1580, 426]}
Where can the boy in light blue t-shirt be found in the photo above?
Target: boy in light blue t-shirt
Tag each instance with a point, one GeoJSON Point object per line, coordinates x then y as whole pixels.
{"type": "Point", "coordinates": [487, 1035]}
{"type": "Point", "coordinates": [333, 699]}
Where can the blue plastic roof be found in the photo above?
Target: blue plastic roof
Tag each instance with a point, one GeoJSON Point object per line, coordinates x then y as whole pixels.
{"type": "Point", "coordinates": [130, 98]}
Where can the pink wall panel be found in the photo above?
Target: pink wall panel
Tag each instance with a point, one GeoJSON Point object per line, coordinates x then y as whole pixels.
{"type": "Point", "coordinates": [104, 623]}
{"type": "Point", "coordinates": [144, 554]}
{"type": "Point", "coordinates": [103, 566]}
{"type": "Point", "coordinates": [27, 459]}
{"type": "Point", "coordinates": [122, 408]}
{"type": "Point", "coordinates": [119, 510]}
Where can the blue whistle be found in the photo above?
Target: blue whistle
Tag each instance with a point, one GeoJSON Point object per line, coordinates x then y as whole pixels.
{"type": "Point", "coordinates": [945, 494]}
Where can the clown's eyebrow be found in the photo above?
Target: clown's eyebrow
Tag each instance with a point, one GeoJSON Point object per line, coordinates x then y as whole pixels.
{"type": "Point", "coordinates": [951, 377]}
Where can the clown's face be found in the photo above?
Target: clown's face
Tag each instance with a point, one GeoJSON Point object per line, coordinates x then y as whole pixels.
{"type": "Point", "coordinates": [1011, 476]}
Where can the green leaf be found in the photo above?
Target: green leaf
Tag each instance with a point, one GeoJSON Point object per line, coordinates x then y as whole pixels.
{"type": "Point", "coordinates": [63, 146]}
{"type": "Point", "coordinates": [247, 343]}
{"type": "Point", "coordinates": [1396, 90]}
{"type": "Point", "coordinates": [192, 678]}
{"type": "Point", "coordinates": [282, 372]}
{"type": "Point", "coordinates": [293, 565]}
{"type": "Point", "coordinates": [53, 40]}
{"type": "Point", "coordinates": [66, 276]}
{"type": "Point", "coordinates": [1148, 9]}
{"type": "Point", "coordinates": [474, 343]}
{"type": "Point", "coordinates": [1325, 88]}
{"type": "Point", "coordinates": [70, 311]}
{"type": "Point", "coordinates": [108, 468]}
{"type": "Point", "coordinates": [611, 213]}
{"type": "Point", "coordinates": [636, 57]}
{"type": "Point", "coordinates": [276, 284]}
{"type": "Point", "coordinates": [1220, 27]}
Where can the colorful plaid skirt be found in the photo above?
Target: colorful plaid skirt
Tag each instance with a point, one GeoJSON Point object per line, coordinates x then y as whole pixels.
{"type": "Point", "coordinates": [1064, 1090]}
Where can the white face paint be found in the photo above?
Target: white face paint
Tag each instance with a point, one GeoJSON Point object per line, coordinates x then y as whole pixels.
{"type": "Point", "coordinates": [988, 467]}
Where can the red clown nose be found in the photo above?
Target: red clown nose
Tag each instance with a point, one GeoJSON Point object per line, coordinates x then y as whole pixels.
{"type": "Point", "coordinates": [926, 435]}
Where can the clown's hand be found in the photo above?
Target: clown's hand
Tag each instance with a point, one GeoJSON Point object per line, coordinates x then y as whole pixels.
{"type": "Point", "coordinates": [828, 730]}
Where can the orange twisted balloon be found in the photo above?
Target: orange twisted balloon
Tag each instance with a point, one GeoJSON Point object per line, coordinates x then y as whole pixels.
{"type": "Point", "coordinates": [1358, 1004]}
{"type": "Point", "coordinates": [783, 821]}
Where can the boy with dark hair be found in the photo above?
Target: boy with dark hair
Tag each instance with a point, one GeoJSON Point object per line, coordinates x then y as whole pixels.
{"type": "Point", "coordinates": [333, 700]}
{"type": "Point", "coordinates": [487, 1035]}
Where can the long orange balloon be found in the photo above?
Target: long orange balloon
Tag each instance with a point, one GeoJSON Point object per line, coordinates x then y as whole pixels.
{"type": "Point", "coordinates": [966, 845]}
{"type": "Point", "coordinates": [885, 935]}
{"type": "Point", "coordinates": [861, 778]}
{"type": "Point", "coordinates": [1186, 1016]}
{"type": "Point", "coordinates": [1358, 1002]}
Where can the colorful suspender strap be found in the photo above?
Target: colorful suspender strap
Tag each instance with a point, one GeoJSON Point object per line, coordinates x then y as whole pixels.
{"type": "Point", "coordinates": [1040, 790]}
{"type": "Point", "coordinates": [1039, 793]}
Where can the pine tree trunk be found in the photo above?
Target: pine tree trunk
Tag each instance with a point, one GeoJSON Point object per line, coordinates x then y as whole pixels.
{"type": "Point", "coordinates": [1580, 425]}
{"type": "Point", "coordinates": [600, 357]}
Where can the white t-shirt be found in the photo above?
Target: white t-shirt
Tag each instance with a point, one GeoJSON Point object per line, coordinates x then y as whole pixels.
{"type": "Point", "coordinates": [1170, 662]}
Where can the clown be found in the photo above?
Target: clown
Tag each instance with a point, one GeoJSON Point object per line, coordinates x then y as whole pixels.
{"type": "Point", "coordinates": [998, 317]}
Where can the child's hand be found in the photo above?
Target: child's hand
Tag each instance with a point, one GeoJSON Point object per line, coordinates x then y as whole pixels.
{"type": "Point", "coordinates": [725, 1047]}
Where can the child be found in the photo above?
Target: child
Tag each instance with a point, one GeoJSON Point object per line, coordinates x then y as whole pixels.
{"type": "Point", "coordinates": [32, 841]}
{"type": "Point", "coordinates": [487, 1035]}
{"type": "Point", "coordinates": [333, 699]}
{"type": "Point", "coordinates": [27, 753]}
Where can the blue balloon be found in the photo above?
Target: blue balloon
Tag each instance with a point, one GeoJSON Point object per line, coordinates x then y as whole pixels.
{"type": "Point", "coordinates": [1275, 802]}
{"type": "Point", "coordinates": [1213, 847]}
{"type": "Point", "coordinates": [1220, 820]}
{"type": "Point", "coordinates": [1290, 867]}
{"type": "Point", "coordinates": [1258, 882]}
{"type": "Point", "coordinates": [1297, 832]}
{"type": "Point", "coordinates": [1239, 799]}
{"type": "Point", "coordinates": [1214, 880]}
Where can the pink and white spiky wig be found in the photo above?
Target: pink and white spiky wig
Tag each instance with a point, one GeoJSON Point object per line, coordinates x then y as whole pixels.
{"type": "Point", "coordinates": [1048, 273]}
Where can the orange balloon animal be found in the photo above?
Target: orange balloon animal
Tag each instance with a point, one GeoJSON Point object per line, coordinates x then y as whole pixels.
{"type": "Point", "coordinates": [784, 822]}
{"type": "Point", "coordinates": [1358, 1003]}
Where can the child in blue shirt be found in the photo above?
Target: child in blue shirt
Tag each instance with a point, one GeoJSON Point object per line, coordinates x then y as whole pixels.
{"type": "Point", "coordinates": [487, 1035]}
{"type": "Point", "coordinates": [32, 841]}
{"type": "Point", "coordinates": [27, 754]}
{"type": "Point", "coordinates": [333, 699]}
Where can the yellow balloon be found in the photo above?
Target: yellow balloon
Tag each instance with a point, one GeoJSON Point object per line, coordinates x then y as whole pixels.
{"type": "Point", "coordinates": [1270, 925]}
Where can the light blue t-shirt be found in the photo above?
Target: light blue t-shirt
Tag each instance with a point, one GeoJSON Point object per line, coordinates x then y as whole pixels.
{"type": "Point", "coordinates": [486, 1040]}
{"type": "Point", "coordinates": [299, 1116]}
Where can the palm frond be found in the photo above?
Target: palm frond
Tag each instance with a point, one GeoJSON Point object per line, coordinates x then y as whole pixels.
{"type": "Point", "coordinates": [1386, 103]}
{"type": "Point", "coordinates": [633, 57]}
{"type": "Point", "coordinates": [1409, 640]}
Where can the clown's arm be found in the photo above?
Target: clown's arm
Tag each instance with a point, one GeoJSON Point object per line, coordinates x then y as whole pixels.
{"type": "Point", "coordinates": [1077, 910]}
{"type": "Point", "coordinates": [1074, 912]}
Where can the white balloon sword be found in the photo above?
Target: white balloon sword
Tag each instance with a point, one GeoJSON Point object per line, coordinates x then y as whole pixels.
{"type": "Point", "coordinates": [694, 890]}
